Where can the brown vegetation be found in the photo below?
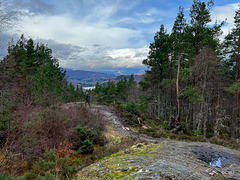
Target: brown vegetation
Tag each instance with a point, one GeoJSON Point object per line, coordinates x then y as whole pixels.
{"type": "Point", "coordinates": [39, 128]}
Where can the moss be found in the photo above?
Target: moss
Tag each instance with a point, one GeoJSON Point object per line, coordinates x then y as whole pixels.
{"type": "Point", "coordinates": [147, 150]}
{"type": "Point", "coordinates": [120, 165]}
{"type": "Point", "coordinates": [112, 135]}
{"type": "Point", "coordinates": [115, 174]}
{"type": "Point", "coordinates": [113, 166]}
{"type": "Point", "coordinates": [218, 177]}
{"type": "Point", "coordinates": [121, 173]}
{"type": "Point", "coordinates": [120, 153]}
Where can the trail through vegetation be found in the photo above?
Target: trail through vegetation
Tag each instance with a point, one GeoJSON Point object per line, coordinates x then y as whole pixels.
{"type": "Point", "coordinates": [187, 160]}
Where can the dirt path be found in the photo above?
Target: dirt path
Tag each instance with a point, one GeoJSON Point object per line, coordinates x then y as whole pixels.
{"type": "Point", "coordinates": [178, 158]}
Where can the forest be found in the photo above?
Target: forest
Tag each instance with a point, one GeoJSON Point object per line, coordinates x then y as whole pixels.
{"type": "Point", "coordinates": [193, 77]}
{"type": "Point", "coordinates": [191, 89]}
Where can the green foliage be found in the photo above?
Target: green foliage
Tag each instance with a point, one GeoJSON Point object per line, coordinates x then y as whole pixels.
{"type": "Point", "coordinates": [167, 82]}
{"type": "Point", "coordinates": [47, 84]}
{"type": "Point", "coordinates": [5, 118]}
{"type": "Point", "coordinates": [234, 88]}
{"type": "Point", "coordinates": [166, 125]}
{"type": "Point", "coordinates": [145, 83]}
{"type": "Point", "coordinates": [193, 94]}
{"type": "Point", "coordinates": [196, 132]}
{"type": "Point", "coordinates": [6, 176]}
{"type": "Point", "coordinates": [53, 167]}
{"type": "Point", "coordinates": [47, 176]}
{"type": "Point", "coordinates": [35, 71]}
{"type": "Point", "coordinates": [158, 59]}
{"type": "Point", "coordinates": [191, 51]}
{"type": "Point", "coordinates": [85, 132]}
{"type": "Point", "coordinates": [185, 75]}
{"type": "Point", "coordinates": [87, 146]}
{"type": "Point", "coordinates": [111, 92]}
{"type": "Point", "coordinates": [73, 94]}
{"type": "Point", "coordinates": [86, 135]}
{"type": "Point", "coordinates": [131, 106]}
{"type": "Point", "coordinates": [231, 47]}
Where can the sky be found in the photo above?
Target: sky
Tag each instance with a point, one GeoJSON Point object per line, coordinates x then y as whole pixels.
{"type": "Point", "coordinates": [100, 35]}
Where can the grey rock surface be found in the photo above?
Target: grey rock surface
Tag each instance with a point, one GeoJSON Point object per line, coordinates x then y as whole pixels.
{"type": "Point", "coordinates": [162, 159]}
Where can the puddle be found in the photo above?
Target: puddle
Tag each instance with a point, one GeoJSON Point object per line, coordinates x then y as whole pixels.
{"type": "Point", "coordinates": [212, 157]}
{"type": "Point", "coordinates": [217, 162]}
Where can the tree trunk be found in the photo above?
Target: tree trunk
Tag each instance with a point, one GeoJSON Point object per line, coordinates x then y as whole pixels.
{"type": "Point", "coordinates": [178, 89]}
{"type": "Point", "coordinates": [176, 126]}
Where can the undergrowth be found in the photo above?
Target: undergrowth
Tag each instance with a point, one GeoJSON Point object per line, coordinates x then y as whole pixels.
{"type": "Point", "coordinates": [53, 128]}
{"type": "Point", "coordinates": [160, 128]}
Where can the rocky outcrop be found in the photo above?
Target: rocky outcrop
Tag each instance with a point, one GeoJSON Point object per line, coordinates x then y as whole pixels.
{"type": "Point", "coordinates": [162, 159]}
{"type": "Point", "coordinates": [166, 160]}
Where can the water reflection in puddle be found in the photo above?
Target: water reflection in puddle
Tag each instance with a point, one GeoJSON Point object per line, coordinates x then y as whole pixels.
{"type": "Point", "coordinates": [217, 162]}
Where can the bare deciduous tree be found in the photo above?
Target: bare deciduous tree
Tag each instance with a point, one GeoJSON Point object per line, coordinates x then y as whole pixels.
{"type": "Point", "coordinates": [8, 15]}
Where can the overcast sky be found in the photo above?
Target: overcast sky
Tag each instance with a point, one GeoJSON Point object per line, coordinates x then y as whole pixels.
{"type": "Point", "coordinates": [104, 34]}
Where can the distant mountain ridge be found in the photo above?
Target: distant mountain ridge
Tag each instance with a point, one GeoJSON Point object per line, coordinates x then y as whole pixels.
{"type": "Point", "coordinates": [86, 78]}
{"type": "Point", "coordinates": [90, 78]}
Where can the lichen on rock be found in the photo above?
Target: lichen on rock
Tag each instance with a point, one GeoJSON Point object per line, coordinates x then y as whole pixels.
{"type": "Point", "coordinates": [174, 160]}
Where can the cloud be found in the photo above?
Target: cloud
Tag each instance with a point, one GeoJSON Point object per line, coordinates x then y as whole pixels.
{"type": "Point", "coordinates": [150, 16]}
{"type": "Point", "coordinates": [65, 30]}
{"type": "Point", "coordinates": [222, 13]}
{"type": "Point", "coordinates": [107, 58]}
{"type": "Point", "coordinates": [91, 34]}
{"type": "Point", "coordinates": [96, 56]}
{"type": "Point", "coordinates": [92, 41]}
{"type": "Point", "coordinates": [35, 7]}
{"type": "Point", "coordinates": [128, 57]}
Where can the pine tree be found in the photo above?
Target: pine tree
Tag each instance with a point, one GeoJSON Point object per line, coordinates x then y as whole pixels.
{"type": "Point", "coordinates": [158, 58]}
{"type": "Point", "coordinates": [178, 31]}
{"type": "Point", "coordinates": [232, 49]}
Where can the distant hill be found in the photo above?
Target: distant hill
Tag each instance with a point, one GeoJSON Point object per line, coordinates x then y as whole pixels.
{"type": "Point", "coordinates": [90, 78]}
{"type": "Point", "coordinates": [137, 78]}
{"type": "Point", "coordinates": [87, 78]}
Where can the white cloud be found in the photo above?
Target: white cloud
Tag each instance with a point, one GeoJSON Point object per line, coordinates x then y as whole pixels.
{"type": "Point", "coordinates": [96, 56]}
{"type": "Point", "coordinates": [88, 35]}
{"type": "Point", "coordinates": [64, 30]}
{"type": "Point", "coordinates": [112, 58]}
{"type": "Point", "coordinates": [88, 42]}
{"type": "Point", "coordinates": [222, 13]}
{"type": "Point", "coordinates": [128, 57]}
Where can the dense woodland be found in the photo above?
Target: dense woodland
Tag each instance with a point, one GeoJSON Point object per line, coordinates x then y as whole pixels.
{"type": "Point", "coordinates": [193, 77]}
{"type": "Point", "coordinates": [192, 86]}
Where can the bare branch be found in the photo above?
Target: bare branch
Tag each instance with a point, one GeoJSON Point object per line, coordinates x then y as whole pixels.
{"type": "Point", "coordinates": [8, 15]}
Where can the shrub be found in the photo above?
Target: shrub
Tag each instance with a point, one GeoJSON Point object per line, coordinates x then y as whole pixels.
{"type": "Point", "coordinates": [6, 176]}
{"type": "Point", "coordinates": [53, 167]}
{"type": "Point", "coordinates": [86, 136]}
{"type": "Point", "coordinates": [87, 146]}
{"type": "Point", "coordinates": [166, 125]}
{"type": "Point", "coordinates": [131, 106]}
{"type": "Point", "coordinates": [40, 128]}
{"type": "Point", "coordinates": [85, 132]}
{"type": "Point", "coordinates": [196, 132]}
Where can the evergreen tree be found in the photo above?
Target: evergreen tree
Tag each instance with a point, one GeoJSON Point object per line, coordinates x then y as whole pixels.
{"type": "Point", "coordinates": [37, 75]}
{"type": "Point", "coordinates": [131, 81]}
{"type": "Point", "coordinates": [178, 31]}
{"type": "Point", "coordinates": [121, 88]}
{"type": "Point", "coordinates": [232, 46]}
{"type": "Point", "coordinates": [232, 50]}
{"type": "Point", "coordinates": [158, 58]}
